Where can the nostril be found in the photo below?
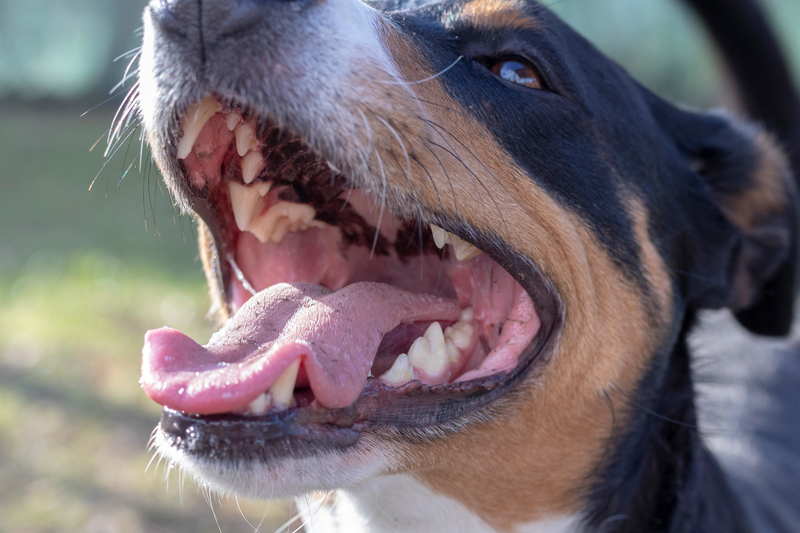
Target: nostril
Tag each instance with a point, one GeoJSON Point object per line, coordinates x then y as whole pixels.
{"type": "Point", "coordinates": [213, 19]}
{"type": "Point", "coordinates": [177, 18]}
{"type": "Point", "coordinates": [231, 18]}
{"type": "Point", "coordinates": [202, 24]}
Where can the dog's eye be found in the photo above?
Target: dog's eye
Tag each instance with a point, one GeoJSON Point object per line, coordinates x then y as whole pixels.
{"type": "Point", "coordinates": [517, 70]}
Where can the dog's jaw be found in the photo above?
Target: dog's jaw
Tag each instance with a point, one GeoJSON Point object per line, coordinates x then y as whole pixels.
{"type": "Point", "coordinates": [293, 477]}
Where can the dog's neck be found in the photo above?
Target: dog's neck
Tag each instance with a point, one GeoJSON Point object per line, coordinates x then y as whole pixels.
{"type": "Point", "coordinates": [404, 504]}
{"type": "Point", "coordinates": [662, 477]}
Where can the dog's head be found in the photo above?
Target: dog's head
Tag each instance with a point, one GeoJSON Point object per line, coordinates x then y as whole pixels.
{"type": "Point", "coordinates": [359, 173]}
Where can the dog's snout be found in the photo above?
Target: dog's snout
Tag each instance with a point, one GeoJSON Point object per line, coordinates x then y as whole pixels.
{"type": "Point", "coordinates": [204, 24]}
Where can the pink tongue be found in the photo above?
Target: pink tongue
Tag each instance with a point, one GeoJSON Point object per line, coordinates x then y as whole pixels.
{"type": "Point", "coordinates": [336, 334]}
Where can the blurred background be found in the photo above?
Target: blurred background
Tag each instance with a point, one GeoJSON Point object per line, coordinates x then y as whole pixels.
{"type": "Point", "coordinates": [84, 273]}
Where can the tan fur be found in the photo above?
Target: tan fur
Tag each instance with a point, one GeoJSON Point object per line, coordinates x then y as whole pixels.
{"type": "Point", "coordinates": [530, 461]}
{"type": "Point", "coordinates": [498, 14]}
{"type": "Point", "coordinates": [769, 194]}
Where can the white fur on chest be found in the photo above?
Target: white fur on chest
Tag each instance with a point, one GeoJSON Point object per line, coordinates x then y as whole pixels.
{"type": "Point", "coordinates": [404, 504]}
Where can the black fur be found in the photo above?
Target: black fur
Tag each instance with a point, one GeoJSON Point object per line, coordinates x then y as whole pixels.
{"type": "Point", "coordinates": [661, 477]}
{"type": "Point", "coordinates": [594, 140]}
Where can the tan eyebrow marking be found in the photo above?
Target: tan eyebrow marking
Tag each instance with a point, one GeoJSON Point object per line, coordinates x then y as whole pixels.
{"type": "Point", "coordinates": [499, 14]}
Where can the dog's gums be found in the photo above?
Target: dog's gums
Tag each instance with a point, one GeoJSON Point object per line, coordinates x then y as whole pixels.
{"type": "Point", "coordinates": [335, 298]}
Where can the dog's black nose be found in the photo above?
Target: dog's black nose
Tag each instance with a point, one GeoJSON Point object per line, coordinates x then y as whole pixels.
{"type": "Point", "coordinates": [203, 24]}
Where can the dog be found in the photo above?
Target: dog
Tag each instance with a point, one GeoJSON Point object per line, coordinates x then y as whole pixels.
{"type": "Point", "coordinates": [458, 254]}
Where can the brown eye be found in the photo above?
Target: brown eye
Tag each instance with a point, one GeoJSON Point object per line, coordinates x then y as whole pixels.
{"type": "Point", "coordinates": [517, 71]}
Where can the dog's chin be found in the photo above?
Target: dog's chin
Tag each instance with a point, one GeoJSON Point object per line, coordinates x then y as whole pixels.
{"type": "Point", "coordinates": [288, 478]}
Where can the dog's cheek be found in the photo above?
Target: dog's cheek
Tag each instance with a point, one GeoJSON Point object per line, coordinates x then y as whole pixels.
{"type": "Point", "coordinates": [533, 453]}
{"type": "Point", "coordinates": [533, 456]}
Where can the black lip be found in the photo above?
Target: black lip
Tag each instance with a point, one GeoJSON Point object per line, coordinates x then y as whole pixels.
{"type": "Point", "coordinates": [306, 431]}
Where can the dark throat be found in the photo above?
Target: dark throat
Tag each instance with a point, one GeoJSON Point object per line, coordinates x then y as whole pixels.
{"type": "Point", "coordinates": [658, 475]}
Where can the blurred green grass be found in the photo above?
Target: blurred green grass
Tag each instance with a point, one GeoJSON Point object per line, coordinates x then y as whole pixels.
{"type": "Point", "coordinates": [82, 277]}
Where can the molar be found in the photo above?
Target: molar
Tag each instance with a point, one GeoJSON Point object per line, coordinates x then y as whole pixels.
{"type": "Point", "coordinates": [429, 352]}
{"type": "Point", "coordinates": [282, 218]}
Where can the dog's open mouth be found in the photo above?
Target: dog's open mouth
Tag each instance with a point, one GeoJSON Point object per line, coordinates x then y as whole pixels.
{"type": "Point", "coordinates": [346, 316]}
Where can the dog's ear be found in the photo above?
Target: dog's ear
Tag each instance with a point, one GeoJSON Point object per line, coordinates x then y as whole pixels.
{"type": "Point", "coordinates": [743, 249]}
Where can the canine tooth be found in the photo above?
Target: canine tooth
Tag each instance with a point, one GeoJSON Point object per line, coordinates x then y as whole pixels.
{"type": "Point", "coordinates": [196, 117]}
{"type": "Point", "coordinates": [439, 236]}
{"type": "Point", "coordinates": [463, 249]}
{"type": "Point", "coordinates": [233, 120]}
{"type": "Point", "coordinates": [429, 352]}
{"type": "Point", "coordinates": [245, 135]}
{"type": "Point", "coordinates": [401, 372]}
{"type": "Point", "coordinates": [260, 405]}
{"type": "Point", "coordinates": [251, 166]}
{"type": "Point", "coordinates": [282, 391]}
{"type": "Point", "coordinates": [246, 203]}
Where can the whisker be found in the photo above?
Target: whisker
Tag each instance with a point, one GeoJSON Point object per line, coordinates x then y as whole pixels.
{"type": "Point", "coordinates": [429, 78]}
{"type": "Point", "coordinates": [402, 145]}
{"type": "Point", "coordinates": [383, 205]}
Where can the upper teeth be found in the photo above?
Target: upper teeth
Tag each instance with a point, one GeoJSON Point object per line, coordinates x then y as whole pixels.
{"type": "Point", "coordinates": [462, 248]}
{"type": "Point", "coordinates": [251, 166]}
{"type": "Point", "coordinates": [283, 217]}
{"type": "Point", "coordinates": [233, 120]}
{"type": "Point", "coordinates": [197, 117]}
{"type": "Point", "coordinates": [247, 202]}
{"type": "Point", "coordinates": [245, 139]}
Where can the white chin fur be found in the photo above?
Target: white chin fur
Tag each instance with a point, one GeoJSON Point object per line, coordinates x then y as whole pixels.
{"type": "Point", "coordinates": [403, 503]}
{"type": "Point", "coordinates": [292, 477]}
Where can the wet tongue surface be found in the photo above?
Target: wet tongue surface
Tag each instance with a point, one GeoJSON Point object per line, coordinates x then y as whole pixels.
{"type": "Point", "coordinates": [336, 334]}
